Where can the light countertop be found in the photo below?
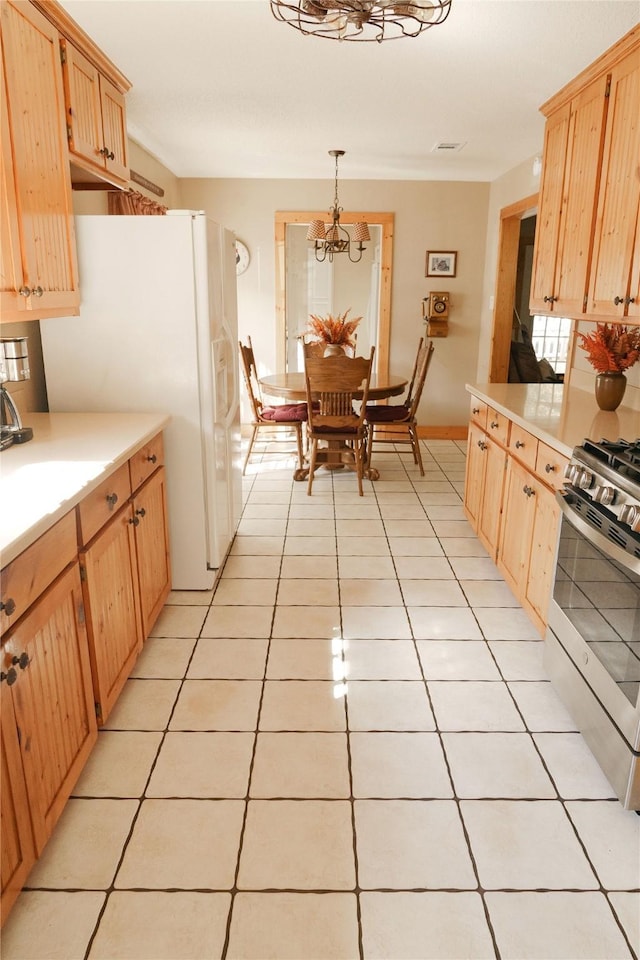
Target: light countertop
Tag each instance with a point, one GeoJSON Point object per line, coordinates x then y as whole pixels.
{"type": "Point", "coordinates": [70, 454]}
{"type": "Point", "coordinates": [561, 416]}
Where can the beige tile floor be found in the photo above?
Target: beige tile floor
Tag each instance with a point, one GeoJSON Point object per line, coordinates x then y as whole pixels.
{"type": "Point", "coordinates": [350, 749]}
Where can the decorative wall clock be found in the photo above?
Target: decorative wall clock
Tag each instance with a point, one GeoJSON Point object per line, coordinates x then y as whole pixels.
{"type": "Point", "coordinates": [242, 257]}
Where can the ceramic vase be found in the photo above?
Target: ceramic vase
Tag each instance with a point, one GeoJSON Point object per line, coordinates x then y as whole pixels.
{"type": "Point", "coordinates": [610, 389]}
{"type": "Point", "coordinates": [333, 350]}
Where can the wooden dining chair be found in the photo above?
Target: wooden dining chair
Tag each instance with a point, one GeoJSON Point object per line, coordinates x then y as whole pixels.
{"type": "Point", "coordinates": [279, 419]}
{"type": "Point", "coordinates": [332, 383]}
{"type": "Point", "coordinates": [397, 423]}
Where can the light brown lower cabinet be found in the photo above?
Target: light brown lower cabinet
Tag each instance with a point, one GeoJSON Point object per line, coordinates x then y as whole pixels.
{"type": "Point", "coordinates": [109, 574]}
{"type": "Point", "coordinates": [510, 502]}
{"type": "Point", "coordinates": [526, 550]}
{"type": "Point", "coordinates": [48, 723]}
{"type": "Point", "coordinates": [75, 609]}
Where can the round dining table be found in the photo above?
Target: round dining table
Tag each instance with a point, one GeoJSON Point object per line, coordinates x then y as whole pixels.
{"type": "Point", "coordinates": [291, 386]}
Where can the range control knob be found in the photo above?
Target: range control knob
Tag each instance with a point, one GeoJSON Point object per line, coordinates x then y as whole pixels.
{"type": "Point", "coordinates": [605, 495]}
{"type": "Point", "coordinates": [584, 479]}
{"type": "Point", "coordinates": [630, 514]}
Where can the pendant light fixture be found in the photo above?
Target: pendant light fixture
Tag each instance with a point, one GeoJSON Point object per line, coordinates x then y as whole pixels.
{"type": "Point", "coordinates": [335, 238]}
{"type": "Point", "coordinates": [369, 20]}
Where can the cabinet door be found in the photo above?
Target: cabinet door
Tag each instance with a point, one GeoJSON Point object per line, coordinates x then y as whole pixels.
{"type": "Point", "coordinates": [52, 699]}
{"type": "Point", "coordinates": [475, 472]}
{"type": "Point", "coordinates": [97, 119]}
{"type": "Point", "coordinates": [114, 130]}
{"type": "Point", "coordinates": [584, 154]}
{"type": "Point", "coordinates": [82, 95]}
{"type": "Point", "coordinates": [12, 304]}
{"type": "Point", "coordinates": [152, 548]}
{"type": "Point", "coordinates": [490, 513]}
{"type": "Point", "coordinates": [17, 849]}
{"type": "Point", "coordinates": [617, 219]}
{"type": "Point", "coordinates": [545, 253]}
{"type": "Point", "coordinates": [517, 526]}
{"type": "Point", "coordinates": [543, 553]}
{"type": "Point", "coordinates": [111, 599]}
{"type": "Point", "coordinates": [36, 117]}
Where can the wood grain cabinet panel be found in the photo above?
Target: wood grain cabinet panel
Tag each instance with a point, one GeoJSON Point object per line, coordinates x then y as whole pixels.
{"type": "Point", "coordinates": [52, 699]}
{"type": "Point", "coordinates": [587, 248]}
{"type": "Point", "coordinates": [17, 851]}
{"type": "Point", "coordinates": [110, 576]}
{"type": "Point", "coordinates": [564, 230]}
{"type": "Point", "coordinates": [40, 278]}
{"type": "Point", "coordinates": [152, 548]}
{"type": "Point", "coordinates": [96, 118]}
{"type": "Point", "coordinates": [617, 248]}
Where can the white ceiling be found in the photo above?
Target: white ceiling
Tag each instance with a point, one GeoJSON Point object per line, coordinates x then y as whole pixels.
{"type": "Point", "coordinates": [222, 89]}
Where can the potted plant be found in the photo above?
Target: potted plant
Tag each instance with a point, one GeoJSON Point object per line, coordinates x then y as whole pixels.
{"type": "Point", "coordinates": [611, 349]}
{"type": "Point", "coordinates": [337, 331]}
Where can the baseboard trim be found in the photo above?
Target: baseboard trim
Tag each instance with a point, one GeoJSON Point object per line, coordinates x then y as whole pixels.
{"type": "Point", "coordinates": [443, 433]}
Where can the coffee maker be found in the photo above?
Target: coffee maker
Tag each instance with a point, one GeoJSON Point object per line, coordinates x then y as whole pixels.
{"type": "Point", "coordinates": [14, 367]}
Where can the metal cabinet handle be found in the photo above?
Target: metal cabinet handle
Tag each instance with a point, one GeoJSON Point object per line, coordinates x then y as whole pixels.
{"type": "Point", "coordinates": [111, 155]}
{"type": "Point", "coordinates": [629, 300]}
{"type": "Point", "coordinates": [134, 520]}
{"type": "Point", "coordinates": [25, 291]}
{"type": "Point", "coordinates": [9, 606]}
{"type": "Point", "coordinates": [494, 424]}
{"type": "Point", "coordinates": [152, 458]}
{"type": "Point", "coordinates": [475, 410]}
{"type": "Point", "coordinates": [112, 499]}
{"type": "Point", "coordinates": [22, 661]}
{"type": "Point", "coordinates": [141, 512]}
{"type": "Point", "coordinates": [529, 491]}
{"type": "Point", "coordinates": [550, 299]}
{"type": "Point", "coordinates": [618, 301]}
{"type": "Point", "coordinates": [519, 443]}
{"type": "Point", "coordinates": [549, 468]}
{"type": "Point", "coordinates": [37, 291]}
{"type": "Point", "coordinates": [482, 444]}
{"type": "Point", "coordinates": [10, 676]}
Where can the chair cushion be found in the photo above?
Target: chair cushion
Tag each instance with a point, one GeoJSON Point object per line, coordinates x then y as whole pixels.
{"type": "Point", "coordinates": [386, 414]}
{"type": "Point", "coordinates": [285, 412]}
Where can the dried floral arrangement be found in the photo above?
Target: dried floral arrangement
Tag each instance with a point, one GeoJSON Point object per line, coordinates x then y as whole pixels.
{"type": "Point", "coordinates": [611, 348]}
{"type": "Point", "coordinates": [330, 329]}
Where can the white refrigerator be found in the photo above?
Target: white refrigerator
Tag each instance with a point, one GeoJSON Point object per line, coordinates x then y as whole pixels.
{"type": "Point", "coordinates": [158, 332]}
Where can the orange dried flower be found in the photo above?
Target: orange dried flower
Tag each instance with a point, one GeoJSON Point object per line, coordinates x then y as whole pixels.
{"type": "Point", "coordinates": [332, 329]}
{"type": "Point", "coordinates": [611, 348]}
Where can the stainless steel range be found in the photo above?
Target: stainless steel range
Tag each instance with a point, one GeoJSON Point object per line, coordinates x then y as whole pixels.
{"type": "Point", "coordinates": [592, 647]}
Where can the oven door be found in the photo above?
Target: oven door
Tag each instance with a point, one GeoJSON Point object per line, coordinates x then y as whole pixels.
{"type": "Point", "coordinates": [595, 614]}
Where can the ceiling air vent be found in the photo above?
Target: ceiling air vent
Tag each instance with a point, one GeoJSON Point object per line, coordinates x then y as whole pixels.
{"type": "Point", "coordinates": [447, 146]}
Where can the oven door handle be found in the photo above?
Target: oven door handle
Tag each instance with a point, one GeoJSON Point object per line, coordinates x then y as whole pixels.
{"type": "Point", "coordinates": [594, 536]}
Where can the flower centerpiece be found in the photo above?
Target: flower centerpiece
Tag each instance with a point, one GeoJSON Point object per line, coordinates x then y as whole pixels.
{"type": "Point", "coordinates": [611, 349]}
{"type": "Point", "coordinates": [337, 330]}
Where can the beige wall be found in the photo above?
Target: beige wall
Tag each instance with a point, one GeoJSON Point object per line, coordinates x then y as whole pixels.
{"type": "Point", "coordinates": [428, 216]}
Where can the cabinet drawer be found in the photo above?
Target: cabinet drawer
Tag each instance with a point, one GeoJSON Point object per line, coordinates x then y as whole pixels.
{"type": "Point", "coordinates": [550, 466]}
{"type": "Point", "coordinates": [26, 577]}
{"type": "Point", "coordinates": [100, 505]}
{"type": "Point", "coordinates": [145, 461]}
{"type": "Point", "coordinates": [478, 412]}
{"type": "Point", "coordinates": [497, 426]}
{"type": "Point", "coordinates": [523, 446]}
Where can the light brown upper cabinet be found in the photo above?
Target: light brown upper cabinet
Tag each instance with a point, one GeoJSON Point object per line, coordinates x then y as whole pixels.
{"type": "Point", "coordinates": [96, 119]}
{"type": "Point", "coordinates": [613, 291]}
{"type": "Point", "coordinates": [586, 231]}
{"type": "Point", "coordinates": [39, 276]}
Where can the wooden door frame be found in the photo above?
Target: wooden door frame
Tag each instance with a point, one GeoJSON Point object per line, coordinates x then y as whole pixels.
{"type": "Point", "coordinates": [385, 221]}
{"type": "Point", "coordinates": [505, 288]}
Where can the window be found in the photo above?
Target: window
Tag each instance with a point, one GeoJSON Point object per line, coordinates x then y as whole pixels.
{"type": "Point", "coordinates": [550, 339]}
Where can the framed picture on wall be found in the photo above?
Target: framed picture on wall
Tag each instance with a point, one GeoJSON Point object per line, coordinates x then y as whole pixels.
{"type": "Point", "coordinates": [441, 263]}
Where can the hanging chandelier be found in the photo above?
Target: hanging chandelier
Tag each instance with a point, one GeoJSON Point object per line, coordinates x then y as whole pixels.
{"type": "Point", "coordinates": [372, 20]}
{"type": "Point", "coordinates": [334, 238]}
